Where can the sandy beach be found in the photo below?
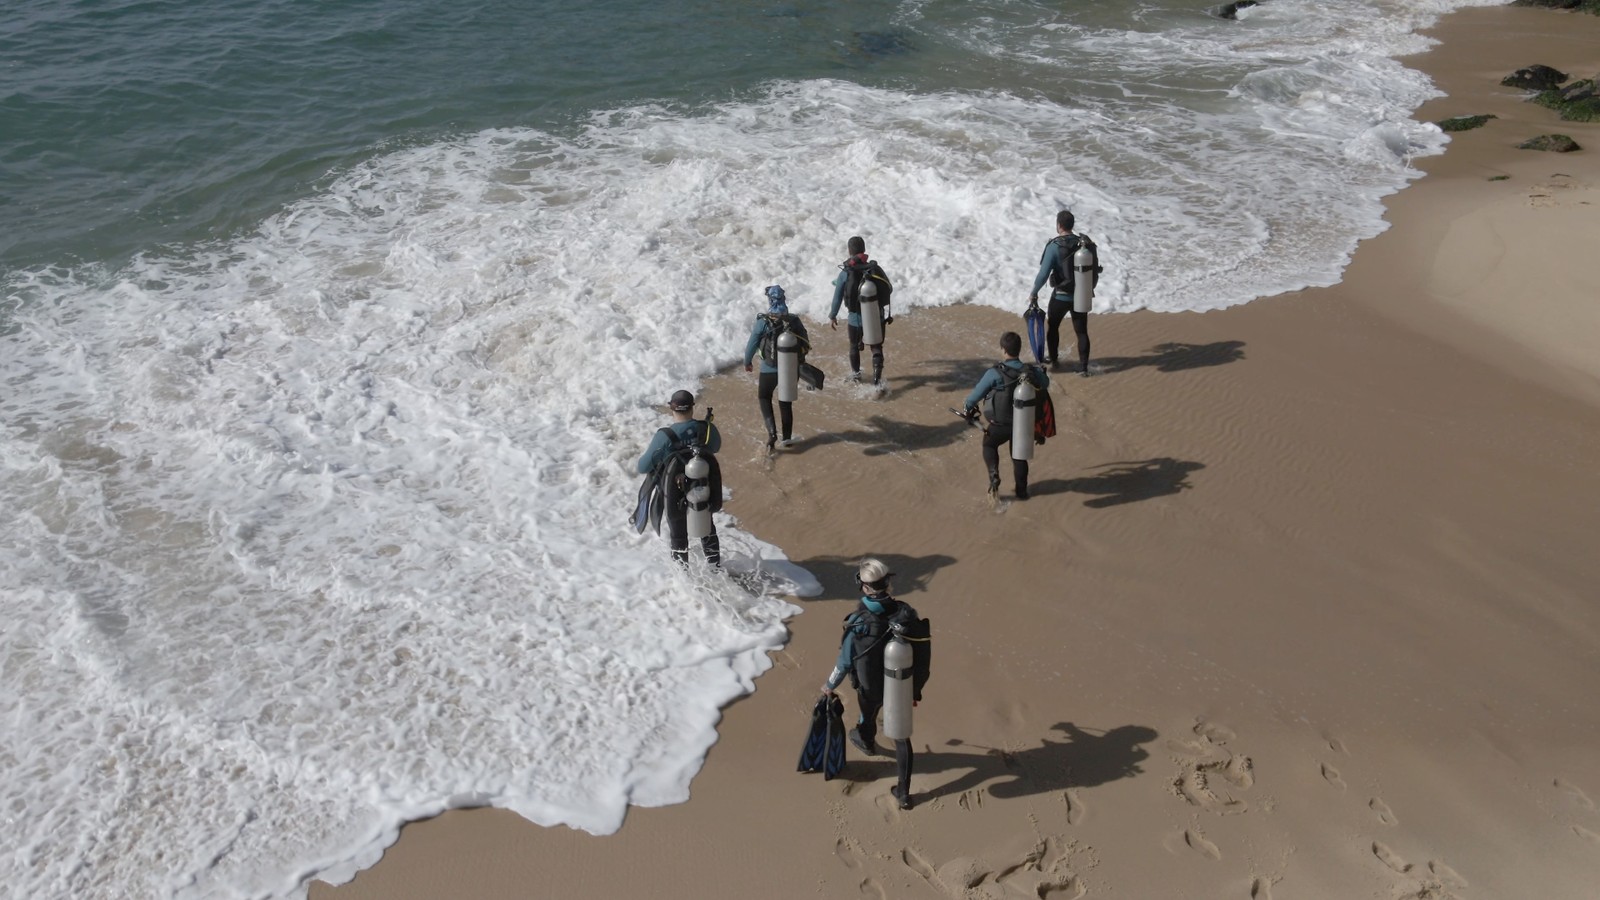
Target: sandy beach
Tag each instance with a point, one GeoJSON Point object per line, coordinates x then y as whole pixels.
{"type": "Point", "coordinates": [1304, 604]}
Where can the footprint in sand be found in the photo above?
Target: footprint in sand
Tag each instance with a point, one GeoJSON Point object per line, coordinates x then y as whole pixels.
{"type": "Point", "coordinates": [1446, 875]}
{"type": "Point", "coordinates": [847, 854]}
{"type": "Point", "coordinates": [870, 888]}
{"type": "Point", "coordinates": [1211, 731]}
{"type": "Point", "coordinates": [970, 799]}
{"type": "Point", "coordinates": [1575, 794]}
{"type": "Point", "coordinates": [916, 863]}
{"type": "Point", "coordinates": [1331, 775]}
{"type": "Point", "coordinates": [1075, 808]}
{"type": "Point", "coordinates": [1385, 815]}
{"type": "Point", "coordinates": [1336, 745]}
{"type": "Point", "coordinates": [1198, 842]}
{"type": "Point", "coordinates": [1238, 771]}
{"type": "Point", "coordinates": [962, 874]}
{"type": "Point", "coordinates": [1207, 737]}
{"type": "Point", "coordinates": [1260, 889]}
{"type": "Point", "coordinates": [1193, 786]}
{"type": "Point", "coordinates": [1037, 874]}
{"type": "Point", "coordinates": [1030, 861]}
{"type": "Point", "coordinates": [1069, 889]}
{"type": "Point", "coordinates": [1390, 858]}
{"type": "Point", "coordinates": [1585, 833]}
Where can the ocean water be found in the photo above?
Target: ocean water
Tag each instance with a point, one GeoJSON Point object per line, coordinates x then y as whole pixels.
{"type": "Point", "coordinates": [330, 332]}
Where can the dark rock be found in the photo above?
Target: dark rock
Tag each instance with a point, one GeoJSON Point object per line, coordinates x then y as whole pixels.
{"type": "Point", "coordinates": [1535, 78]}
{"type": "Point", "coordinates": [1555, 143]}
{"type": "Point", "coordinates": [1578, 91]}
{"type": "Point", "coordinates": [1577, 102]}
{"type": "Point", "coordinates": [1231, 11]}
{"type": "Point", "coordinates": [1463, 123]}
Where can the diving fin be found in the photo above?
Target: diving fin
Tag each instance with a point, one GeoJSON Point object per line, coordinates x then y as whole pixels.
{"type": "Point", "coordinates": [816, 745]}
{"type": "Point", "coordinates": [1034, 319]}
{"type": "Point", "coordinates": [970, 420]}
{"type": "Point", "coordinates": [812, 376]}
{"type": "Point", "coordinates": [647, 491]}
{"type": "Point", "coordinates": [833, 759]}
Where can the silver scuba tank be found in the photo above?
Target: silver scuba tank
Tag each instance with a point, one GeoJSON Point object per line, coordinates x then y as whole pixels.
{"type": "Point", "coordinates": [788, 367]}
{"type": "Point", "coordinates": [871, 314]}
{"type": "Point", "coordinates": [1022, 413]}
{"type": "Point", "coordinates": [897, 659]}
{"type": "Point", "coordinates": [1083, 263]}
{"type": "Point", "coordinates": [698, 474]}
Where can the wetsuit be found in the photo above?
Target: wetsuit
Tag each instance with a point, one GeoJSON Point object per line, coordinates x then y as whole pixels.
{"type": "Point", "coordinates": [869, 691]}
{"type": "Point", "coordinates": [998, 433]}
{"type": "Point", "coordinates": [767, 381]}
{"type": "Point", "coordinates": [677, 509]}
{"type": "Point", "coordinates": [853, 323]}
{"type": "Point", "coordinates": [1061, 299]}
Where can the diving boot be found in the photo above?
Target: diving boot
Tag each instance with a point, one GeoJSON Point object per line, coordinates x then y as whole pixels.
{"type": "Point", "coordinates": [870, 748]}
{"type": "Point", "coordinates": [903, 796]}
{"type": "Point", "coordinates": [994, 485]}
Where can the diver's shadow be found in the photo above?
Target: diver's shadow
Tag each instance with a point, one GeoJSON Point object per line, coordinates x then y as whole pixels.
{"type": "Point", "coordinates": [1126, 482]}
{"type": "Point", "coordinates": [883, 436]}
{"type": "Point", "coordinates": [1176, 356]}
{"type": "Point", "coordinates": [1082, 760]}
{"type": "Point", "coordinates": [837, 574]}
{"type": "Point", "coordinates": [945, 376]}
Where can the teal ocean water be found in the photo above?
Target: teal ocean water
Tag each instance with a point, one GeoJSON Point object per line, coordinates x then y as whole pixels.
{"type": "Point", "coordinates": [129, 125]}
{"type": "Point", "coordinates": [330, 334]}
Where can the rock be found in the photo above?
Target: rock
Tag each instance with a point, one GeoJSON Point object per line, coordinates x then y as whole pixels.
{"type": "Point", "coordinates": [1463, 123]}
{"type": "Point", "coordinates": [1577, 102]}
{"type": "Point", "coordinates": [1555, 143]}
{"type": "Point", "coordinates": [1231, 11]}
{"type": "Point", "coordinates": [1535, 78]}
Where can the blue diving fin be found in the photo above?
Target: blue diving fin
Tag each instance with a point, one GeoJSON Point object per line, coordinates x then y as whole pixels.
{"type": "Point", "coordinates": [833, 759]}
{"type": "Point", "coordinates": [1034, 318]}
{"type": "Point", "coordinates": [815, 749]}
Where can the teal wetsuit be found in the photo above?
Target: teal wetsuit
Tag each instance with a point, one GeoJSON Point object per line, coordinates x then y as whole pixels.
{"type": "Point", "coordinates": [853, 324]}
{"type": "Point", "coordinates": [676, 512]}
{"type": "Point", "coordinates": [1061, 299]}
{"type": "Point", "coordinates": [767, 383]}
{"type": "Point", "coordinates": [997, 434]}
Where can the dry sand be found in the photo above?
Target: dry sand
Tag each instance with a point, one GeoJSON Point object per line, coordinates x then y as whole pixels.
{"type": "Point", "coordinates": [1304, 606]}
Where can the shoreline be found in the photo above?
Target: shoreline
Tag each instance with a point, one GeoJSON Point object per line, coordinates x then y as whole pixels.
{"type": "Point", "coordinates": [1301, 604]}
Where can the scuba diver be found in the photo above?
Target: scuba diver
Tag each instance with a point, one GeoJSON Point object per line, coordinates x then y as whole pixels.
{"type": "Point", "coordinates": [669, 461]}
{"type": "Point", "coordinates": [765, 336]}
{"type": "Point", "coordinates": [994, 391]}
{"type": "Point", "coordinates": [881, 627]}
{"type": "Point", "coordinates": [862, 285]}
{"type": "Point", "coordinates": [1072, 280]}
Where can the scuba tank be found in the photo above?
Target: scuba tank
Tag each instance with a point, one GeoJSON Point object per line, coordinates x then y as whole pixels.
{"type": "Point", "coordinates": [871, 313]}
{"type": "Point", "coordinates": [788, 367]}
{"type": "Point", "coordinates": [1022, 413]}
{"type": "Point", "coordinates": [1083, 265]}
{"type": "Point", "coordinates": [698, 474]}
{"type": "Point", "coordinates": [897, 659]}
